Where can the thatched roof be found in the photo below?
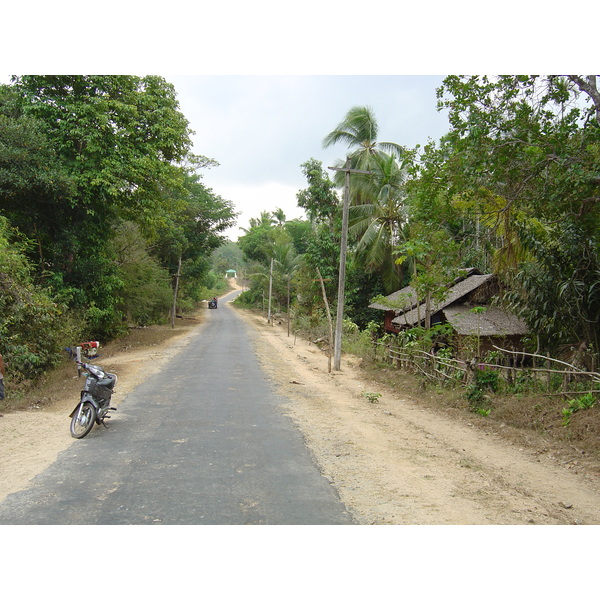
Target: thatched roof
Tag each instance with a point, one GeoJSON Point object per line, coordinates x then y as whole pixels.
{"type": "Point", "coordinates": [455, 293]}
{"type": "Point", "coordinates": [493, 322]}
{"type": "Point", "coordinates": [406, 298]}
{"type": "Point", "coordinates": [399, 301]}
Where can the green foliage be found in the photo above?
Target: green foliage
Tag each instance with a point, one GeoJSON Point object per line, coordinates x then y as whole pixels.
{"type": "Point", "coordinates": [484, 380]}
{"type": "Point", "coordinates": [356, 341]}
{"type": "Point", "coordinates": [377, 217]}
{"type": "Point", "coordinates": [372, 397]}
{"type": "Point", "coordinates": [584, 402]}
{"type": "Point", "coordinates": [34, 326]}
{"type": "Point", "coordinates": [95, 173]}
{"type": "Point", "coordinates": [249, 299]}
{"type": "Point", "coordinates": [319, 199]}
{"type": "Point", "coordinates": [146, 296]}
{"type": "Point", "coordinates": [521, 160]}
{"type": "Point", "coordinates": [358, 132]}
{"type": "Point", "coordinates": [487, 379]}
{"type": "Point", "coordinates": [558, 294]}
{"type": "Point", "coordinates": [421, 338]}
{"type": "Point", "coordinates": [300, 231]}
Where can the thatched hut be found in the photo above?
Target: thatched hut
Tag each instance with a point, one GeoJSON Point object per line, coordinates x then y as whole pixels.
{"type": "Point", "coordinates": [467, 307]}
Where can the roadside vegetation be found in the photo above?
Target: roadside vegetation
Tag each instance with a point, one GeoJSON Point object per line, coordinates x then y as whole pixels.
{"type": "Point", "coordinates": [102, 211]}
{"type": "Point", "coordinates": [512, 190]}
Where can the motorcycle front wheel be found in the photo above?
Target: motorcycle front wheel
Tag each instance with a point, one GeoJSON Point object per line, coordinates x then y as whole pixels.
{"type": "Point", "coordinates": [83, 420]}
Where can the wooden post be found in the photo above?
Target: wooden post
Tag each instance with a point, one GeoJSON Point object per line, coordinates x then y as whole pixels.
{"type": "Point", "coordinates": [175, 293]}
{"type": "Point", "coordinates": [288, 305]}
{"type": "Point", "coordinates": [328, 320]}
{"type": "Point", "coordinates": [343, 250]}
{"type": "Point", "coordinates": [270, 292]}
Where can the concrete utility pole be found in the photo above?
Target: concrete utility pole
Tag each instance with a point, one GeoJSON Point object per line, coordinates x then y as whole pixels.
{"type": "Point", "coordinates": [337, 354]}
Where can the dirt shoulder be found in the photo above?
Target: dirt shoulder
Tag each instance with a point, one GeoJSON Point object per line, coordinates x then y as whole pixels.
{"type": "Point", "coordinates": [393, 462]}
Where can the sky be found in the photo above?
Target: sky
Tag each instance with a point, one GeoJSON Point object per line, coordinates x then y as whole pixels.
{"type": "Point", "coordinates": [261, 128]}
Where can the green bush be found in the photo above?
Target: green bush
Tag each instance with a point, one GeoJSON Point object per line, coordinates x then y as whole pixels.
{"type": "Point", "coordinates": [485, 380]}
{"type": "Point", "coordinates": [35, 327]}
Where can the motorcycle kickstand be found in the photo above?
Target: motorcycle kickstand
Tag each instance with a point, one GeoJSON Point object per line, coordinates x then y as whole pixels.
{"type": "Point", "coordinates": [107, 417]}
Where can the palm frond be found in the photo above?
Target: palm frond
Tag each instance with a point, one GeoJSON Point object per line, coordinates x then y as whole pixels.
{"type": "Point", "coordinates": [392, 148]}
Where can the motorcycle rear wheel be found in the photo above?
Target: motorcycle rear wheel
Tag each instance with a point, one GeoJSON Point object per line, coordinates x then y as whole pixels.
{"type": "Point", "coordinates": [83, 420]}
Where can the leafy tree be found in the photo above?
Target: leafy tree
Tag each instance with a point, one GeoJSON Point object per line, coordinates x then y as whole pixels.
{"type": "Point", "coordinates": [146, 296]}
{"type": "Point", "coordinates": [114, 149]}
{"type": "Point", "coordinates": [286, 262]}
{"type": "Point", "coordinates": [35, 188]}
{"type": "Point", "coordinates": [119, 136]}
{"type": "Point", "coordinates": [118, 139]}
{"type": "Point", "coordinates": [523, 151]}
{"type": "Point", "coordinates": [433, 256]}
{"type": "Point", "coordinates": [321, 246]}
{"type": "Point", "coordinates": [260, 236]}
{"type": "Point", "coordinates": [299, 231]}
{"type": "Point", "coordinates": [558, 293]}
{"type": "Point", "coordinates": [319, 199]}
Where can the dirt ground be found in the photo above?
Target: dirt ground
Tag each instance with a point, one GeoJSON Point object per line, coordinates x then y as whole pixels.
{"type": "Point", "coordinates": [392, 462]}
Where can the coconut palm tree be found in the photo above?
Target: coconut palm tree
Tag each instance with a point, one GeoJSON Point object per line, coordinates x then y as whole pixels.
{"type": "Point", "coordinates": [287, 263]}
{"type": "Point", "coordinates": [376, 223]}
{"type": "Point", "coordinates": [279, 217]}
{"type": "Point", "coordinates": [377, 211]}
{"type": "Point", "coordinates": [359, 131]}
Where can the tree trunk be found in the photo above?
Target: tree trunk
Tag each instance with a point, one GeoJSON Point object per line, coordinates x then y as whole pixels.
{"type": "Point", "coordinates": [328, 312]}
{"type": "Point", "coordinates": [270, 292]}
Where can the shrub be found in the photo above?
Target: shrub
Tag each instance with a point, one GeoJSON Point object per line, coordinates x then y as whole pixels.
{"type": "Point", "coordinates": [576, 404]}
{"type": "Point", "coordinates": [484, 381]}
{"type": "Point", "coordinates": [34, 325]}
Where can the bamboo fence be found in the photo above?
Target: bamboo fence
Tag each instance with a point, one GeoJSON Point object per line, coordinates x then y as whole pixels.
{"type": "Point", "coordinates": [543, 374]}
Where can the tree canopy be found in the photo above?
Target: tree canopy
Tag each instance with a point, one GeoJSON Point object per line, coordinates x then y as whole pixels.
{"type": "Point", "coordinates": [97, 179]}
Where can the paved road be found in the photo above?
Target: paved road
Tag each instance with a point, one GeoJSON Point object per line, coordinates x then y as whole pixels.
{"type": "Point", "coordinates": [202, 442]}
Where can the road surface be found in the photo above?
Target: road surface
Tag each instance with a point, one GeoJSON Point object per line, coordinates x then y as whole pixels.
{"type": "Point", "coordinates": [204, 441]}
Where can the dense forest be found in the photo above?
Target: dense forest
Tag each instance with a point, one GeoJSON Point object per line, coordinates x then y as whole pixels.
{"type": "Point", "coordinates": [103, 208]}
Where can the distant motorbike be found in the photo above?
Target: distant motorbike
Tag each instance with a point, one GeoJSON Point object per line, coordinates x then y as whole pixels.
{"type": "Point", "coordinates": [212, 304]}
{"type": "Point", "coordinates": [94, 403]}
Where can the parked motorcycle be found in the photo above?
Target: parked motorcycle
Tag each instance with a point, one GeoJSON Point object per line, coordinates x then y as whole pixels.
{"type": "Point", "coordinates": [94, 403]}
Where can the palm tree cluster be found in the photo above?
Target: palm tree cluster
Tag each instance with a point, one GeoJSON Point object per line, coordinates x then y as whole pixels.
{"type": "Point", "coordinates": [377, 211]}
